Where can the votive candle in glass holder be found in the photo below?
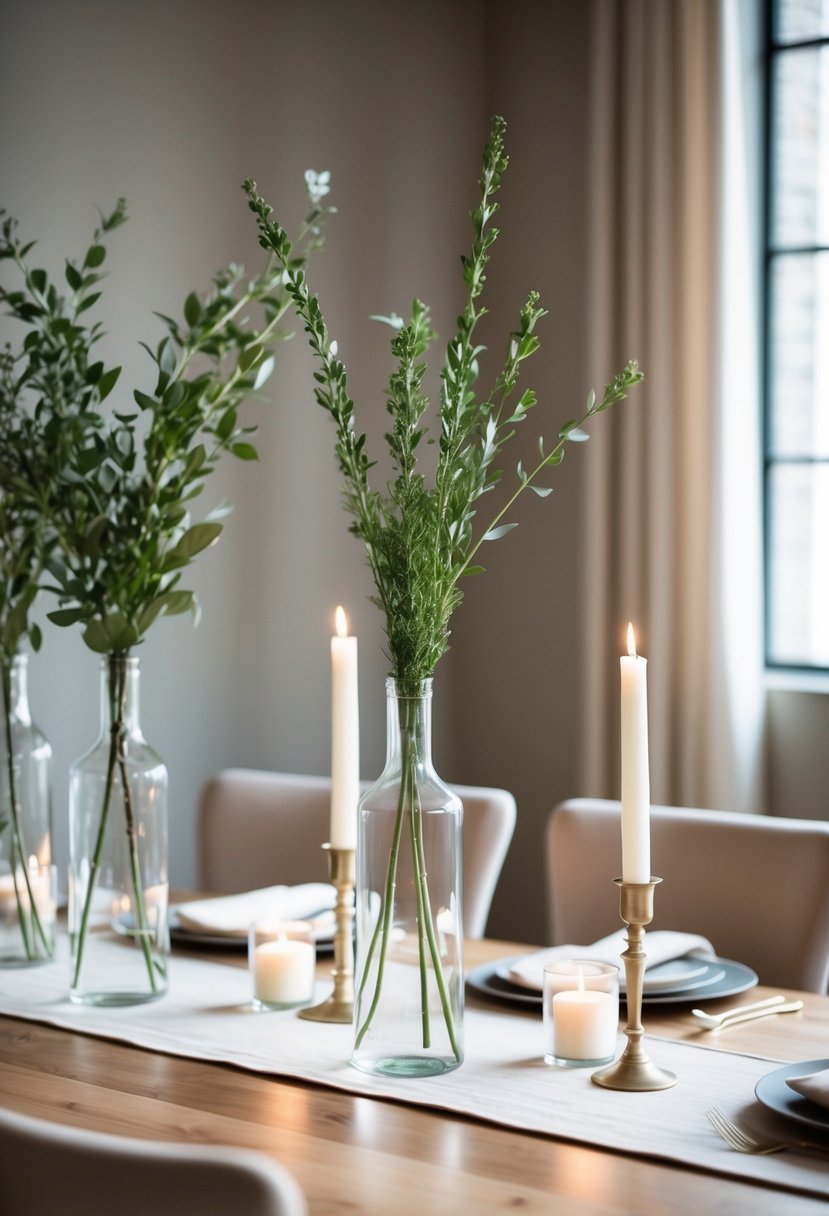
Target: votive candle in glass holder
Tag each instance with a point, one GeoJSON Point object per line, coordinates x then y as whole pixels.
{"type": "Point", "coordinates": [581, 1013]}
{"type": "Point", "coordinates": [28, 937]}
{"type": "Point", "coordinates": [282, 958]}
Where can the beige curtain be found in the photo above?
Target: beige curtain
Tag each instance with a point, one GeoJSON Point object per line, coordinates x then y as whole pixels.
{"type": "Point", "coordinates": [672, 516]}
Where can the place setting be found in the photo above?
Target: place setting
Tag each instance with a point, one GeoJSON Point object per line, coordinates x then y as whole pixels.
{"type": "Point", "coordinates": [681, 968]}
{"type": "Point", "coordinates": [224, 922]}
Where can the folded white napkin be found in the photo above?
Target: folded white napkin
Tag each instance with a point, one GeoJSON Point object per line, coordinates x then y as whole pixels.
{"type": "Point", "coordinates": [662, 946]}
{"type": "Point", "coordinates": [232, 915]}
{"type": "Point", "coordinates": [814, 1086]}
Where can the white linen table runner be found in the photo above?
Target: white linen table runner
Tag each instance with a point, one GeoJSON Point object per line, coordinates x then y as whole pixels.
{"type": "Point", "coordinates": [207, 1015]}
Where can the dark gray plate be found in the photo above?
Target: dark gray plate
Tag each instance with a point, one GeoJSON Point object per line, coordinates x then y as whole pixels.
{"type": "Point", "coordinates": [208, 941]}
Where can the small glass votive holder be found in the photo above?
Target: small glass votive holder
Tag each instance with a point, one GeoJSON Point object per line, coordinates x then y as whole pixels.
{"type": "Point", "coordinates": [28, 938]}
{"type": "Point", "coordinates": [581, 1013]}
{"type": "Point", "coordinates": [282, 957]}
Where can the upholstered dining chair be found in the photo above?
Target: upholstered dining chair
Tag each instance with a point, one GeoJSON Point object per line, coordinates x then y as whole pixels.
{"type": "Point", "coordinates": [260, 828]}
{"type": "Point", "coordinates": [756, 887]}
{"type": "Point", "coordinates": [47, 1167]}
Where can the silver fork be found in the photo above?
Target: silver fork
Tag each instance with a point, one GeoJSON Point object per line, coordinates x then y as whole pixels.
{"type": "Point", "coordinates": [741, 1142]}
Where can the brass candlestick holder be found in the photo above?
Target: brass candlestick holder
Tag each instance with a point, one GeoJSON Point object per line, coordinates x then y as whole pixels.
{"type": "Point", "coordinates": [339, 1006]}
{"type": "Point", "coordinates": [634, 1070]}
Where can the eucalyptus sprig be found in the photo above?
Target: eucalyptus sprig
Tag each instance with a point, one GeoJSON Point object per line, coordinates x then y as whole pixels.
{"type": "Point", "coordinates": [421, 540]}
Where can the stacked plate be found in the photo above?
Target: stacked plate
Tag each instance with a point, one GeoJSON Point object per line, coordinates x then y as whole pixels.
{"type": "Point", "coordinates": [682, 979]}
{"type": "Point", "coordinates": [181, 935]}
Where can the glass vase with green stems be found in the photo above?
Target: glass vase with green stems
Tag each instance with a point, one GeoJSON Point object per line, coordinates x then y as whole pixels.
{"type": "Point", "coordinates": [113, 489]}
{"type": "Point", "coordinates": [26, 810]}
{"type": "Point", "coordinates": [422, 538]}
{"type": "Point", "coordinates": [118, 870]}
{"type": "Point", "coordinates": [27, 925]}
{"type": "Point", "coordinates": [409, 993]}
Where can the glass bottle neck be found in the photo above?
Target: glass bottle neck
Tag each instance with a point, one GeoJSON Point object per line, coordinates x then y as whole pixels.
{"type": "Point", "coordinates": [15, 689]}
{"type": "Point", "coordinates": [119, 694]}
{"type": "Point", "coordinates": [409, 724]}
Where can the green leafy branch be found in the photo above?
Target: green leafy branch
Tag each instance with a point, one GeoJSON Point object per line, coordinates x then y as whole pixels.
{"type": "Point", "coordinates": [54, 363]}
{"type": "Point", "coordinates": [118, 509]}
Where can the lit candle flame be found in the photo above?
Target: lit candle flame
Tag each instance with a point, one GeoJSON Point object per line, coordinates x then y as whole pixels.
{"type": "Point", "coordinates": [342, 622]}
{"type": "Point", "coordinates": [631, 640]}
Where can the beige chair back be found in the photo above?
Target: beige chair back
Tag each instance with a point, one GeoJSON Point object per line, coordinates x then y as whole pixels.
{"type": "Point", "coordinates": [85, 1172]}
{"type": "Point", "coordinates": [757, 887]}
{"type": "Point", "coordinates": [258, 828]}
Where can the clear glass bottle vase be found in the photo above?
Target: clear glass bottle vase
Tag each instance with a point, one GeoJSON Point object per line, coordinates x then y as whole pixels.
{"type": "Point", "coordinates": [118, 864]}
{"type": "Point", "coordinates": [408, 1015]}
{"type": "Point", "coordinates": [27, 876]}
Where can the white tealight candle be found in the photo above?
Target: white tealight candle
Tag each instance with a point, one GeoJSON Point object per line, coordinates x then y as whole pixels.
{"type": "Point", "coordinates": [581, 1012]}
{"type": "Point", "coordinates": [283, 971]}
{"type": "Point", "coordinates": [345, 737]}
{"type": "Point", "coordinates": [41, 882]}
{"type": "Point", "coordinates": [8, 895]}
{"type": "Point", "coordinates": [636, 795]}
{"type": "Point", "coordinates": [584, 1024]}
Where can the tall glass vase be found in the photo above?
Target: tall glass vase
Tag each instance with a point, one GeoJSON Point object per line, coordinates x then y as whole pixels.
{"type": "Point", "coordinates": [118, 881]}
{"type": "Point", "coordinates": [408, 1017]}
{"type": "Point", "coordinates": [27, 876]}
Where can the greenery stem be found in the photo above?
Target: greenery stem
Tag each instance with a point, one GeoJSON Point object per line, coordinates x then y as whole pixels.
{"type": "Point", "coordinates": [496, 519]}
{"type": "Point", "coordinates": [382, 929]}
{"type": "Point", "coordinates": [98, 852]}
{"type": "Point", "coordinates": [415, 815]}
{"type": "Point", "coordinates": [425, 920]}
{"type": "Point", "coordinates": [434, 949]}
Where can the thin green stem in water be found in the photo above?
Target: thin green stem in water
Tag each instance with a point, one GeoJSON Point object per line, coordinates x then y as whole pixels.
{"type": "Point", "coordinates": [415, 816]}
{"type": "Point", "coordinates": [141, 927]}
{"type": "Point", "coordinates": [383, 927]}
{"type": "Point", "coordinates": [97, 856]}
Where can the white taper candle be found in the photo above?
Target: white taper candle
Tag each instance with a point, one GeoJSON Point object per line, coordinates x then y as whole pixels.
{"type": "Point", "coordinates": [636, 796]}
{"type": "Point", "coordinates": [345, 737]}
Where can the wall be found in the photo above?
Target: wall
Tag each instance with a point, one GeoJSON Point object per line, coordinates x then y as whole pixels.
{"type": "Point", "coordinates": [172, 106]}
{"type": "Point", "coordinates": [798, 776]}
{"type": "Point", "coordinates": [515, 664]}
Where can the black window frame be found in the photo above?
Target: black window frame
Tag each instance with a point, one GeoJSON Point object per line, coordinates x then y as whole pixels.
{"type": "Point", "coordinates": [774, 49]}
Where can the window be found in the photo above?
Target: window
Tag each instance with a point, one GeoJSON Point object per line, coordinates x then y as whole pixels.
{"type": "Point", "coordinates": [797, 336]}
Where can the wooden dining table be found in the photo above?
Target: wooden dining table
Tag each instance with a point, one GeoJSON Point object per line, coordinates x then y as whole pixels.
{"type": "Point", "coordinates": [362, 1155]}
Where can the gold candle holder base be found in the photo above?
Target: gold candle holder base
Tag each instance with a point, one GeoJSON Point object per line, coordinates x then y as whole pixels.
{"type": "Point", "coordinates": [339, 1006]}
{"type": "Point", "coordinates": [633, 1070]}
